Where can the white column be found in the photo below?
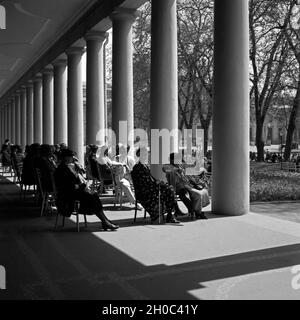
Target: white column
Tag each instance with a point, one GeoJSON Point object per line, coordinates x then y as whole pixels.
{"type": "Point", "coordinates": [95, 107]}
{"type": "Point", "coordinates": [13, 120]}
{"type": "Point", "coordinates": [5, 121]}
{"type": "Point", "coordinates": [18, 117]}
{"type": "Point", "coordinates": [37, 109]}
{"type": "Point", "coordinates": [9, 119]}
{"type": "Point", "coordinates": [164, 66]}
{"type": "Point", "coordinates": [60, 101]}
{"type": "Point", "coordinates": [48, 105]}
{"type": "Point", "coordinates": [122, 70]}
{"type": "Point", "coordinates": [75, 102]}
{"type": "Point", "coordinates": [23, 131]}
{"type": "Point", "coordinates": [2, 123]}
{"type": "Point", "coordinates": [29, 113]}
{"type": "Point", "coordinates": [230, 190]}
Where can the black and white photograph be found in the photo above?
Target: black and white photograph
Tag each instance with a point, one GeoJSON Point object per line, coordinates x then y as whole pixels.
{"type": "Point", "coordinates": [150, 154]}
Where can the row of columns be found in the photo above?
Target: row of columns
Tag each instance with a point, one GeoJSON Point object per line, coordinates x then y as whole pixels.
{"type": "Point", "coordinates": [60, 109]}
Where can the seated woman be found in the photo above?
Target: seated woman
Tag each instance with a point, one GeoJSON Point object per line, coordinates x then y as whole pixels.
{"type": "Point", "coordinates": [71, 186]}
{"type": "Point", "coordinates": [198, 195]}
{"type": "Point", "coordinates": [17, 160]}
{"type": "Point", "coordinates": [151, 192]}
{"type": "Point", "coordinates": [47, 166]}
{"type": "Point", "coordinates": [6, 159]}
{"type": "Point", "coordinates": [30, 162]}
{"type": "Point", "coordinates": [119, 172]}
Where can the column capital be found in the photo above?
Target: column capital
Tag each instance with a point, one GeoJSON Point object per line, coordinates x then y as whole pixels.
{"type": "Point", "coordinates": [75, 51]}
{"type": "Point", "coordinates": [124, 14]}
{"type": "Point", "coordinates": [37, 78]}
{"type": "Point", "coordinates": [96, 35]}
{"type": "Point", "coordinates": [23, 88]}
{"type": "Point", "coordinates": [17, 92]}
{"type": "Point", "coordinates": [29, 84]}
{"type": "Point", "coordinates": [60, 62]}
{"type": "Point", "coordinates": [47, 70]}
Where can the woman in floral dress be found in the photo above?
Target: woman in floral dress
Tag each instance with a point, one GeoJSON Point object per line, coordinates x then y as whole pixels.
{"type": "Point", "coordinates": [148, 189]}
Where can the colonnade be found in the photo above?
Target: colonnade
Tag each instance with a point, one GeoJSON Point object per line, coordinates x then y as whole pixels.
{"type": "Point", "coordinates": [49, 107]}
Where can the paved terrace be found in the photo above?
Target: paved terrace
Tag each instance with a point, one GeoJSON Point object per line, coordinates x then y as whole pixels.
{"type": "Point", "coordinates": [246, 257]}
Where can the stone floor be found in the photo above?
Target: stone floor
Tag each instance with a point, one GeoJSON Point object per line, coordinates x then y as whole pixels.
{"type": "Point", "coordinates": [247, 257]}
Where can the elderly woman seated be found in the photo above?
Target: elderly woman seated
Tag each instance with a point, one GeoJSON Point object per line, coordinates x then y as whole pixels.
{"type": "Point", "coordinates": [120, 172]}
{"type": "Point", "coordinates": [185, 185]}
{"type": "Point", "coordinates": [71, 186]}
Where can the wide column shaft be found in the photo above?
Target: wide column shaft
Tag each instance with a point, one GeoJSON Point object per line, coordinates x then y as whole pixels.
{"type": "Point", "coordinates": [29, 113]}
{"type": "Point", "coordinates": [38, 109]}
{"type": "Point", "coordinates": [122, 72]}
{"type": "Point", "coordinates": [230, 189]}
{"type": "Point", "coordinates": [48, 106]}
{"type": "Point", "coordinates": [18, 117]}
{"type": "Point", "coordinates": [164, 72]}
{"type": "Point", "coordinates": [95, 94]}
{"type": "Point", "coordinates": [23, 106]}
{"type": "Point", "coordinates": [60, 102]}
{"type": "Point", "coordinates": [75, 102]}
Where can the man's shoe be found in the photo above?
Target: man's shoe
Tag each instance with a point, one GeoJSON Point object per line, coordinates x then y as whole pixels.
{"type": "Point", "coordinates": [200, 215]}
{"type": "Point", "coordinates": [179, 213]}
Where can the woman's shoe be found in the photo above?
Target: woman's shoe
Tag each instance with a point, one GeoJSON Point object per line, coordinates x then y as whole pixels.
{"type": "Point", "coordinates": [109, 226]}
{"type": "Point", "coordinates": [171, 219]}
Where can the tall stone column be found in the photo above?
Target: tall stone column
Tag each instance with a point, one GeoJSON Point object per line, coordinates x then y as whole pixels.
{"type": "Point", "coordinates": [95, 94]}
{"type": "Point", "coordinates": [9, 115]}
{"type": "Point", "coordinates": [230, 189]}
{"type": "Point", "coordinates": [164, 74]}
{"type": "Point", "coordinates": [23, 113]}
{"type": "Point", "coordinates": [18, 116]}
{"type": "Point", "coordinates": [122, 70]}
{"type": "Point", "coordinates": [8, 118]}
{"type": "Point", "coordinates": [5, 121]}
{"type": "Point", "coordinates": [60, 101]}
{"type": "Point", "coordinates": [48, 113]}
{"type": "Point", "coordinates": [29, 112]}
{"type": "Point", "coordinates": [75, 102]}
{"type": "Point", "coordinates": [13, 120]}
{"type": "Point", "coordinates": [38, 109]}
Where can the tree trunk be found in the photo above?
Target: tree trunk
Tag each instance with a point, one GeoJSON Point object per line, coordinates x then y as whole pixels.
{"type": "Point", "coordinates": [259, 141]}
{"type": "Point", "coordinates": [292, 125]}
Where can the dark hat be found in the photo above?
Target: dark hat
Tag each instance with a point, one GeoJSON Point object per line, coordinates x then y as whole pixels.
{"type": "Point", "coordinates": [93, 147]}
{"type": "Point", "coordinates": [66, 153]}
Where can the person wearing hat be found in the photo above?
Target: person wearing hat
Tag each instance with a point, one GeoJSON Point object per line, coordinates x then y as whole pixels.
{"type": "Point", "coordinates": [71, 186]}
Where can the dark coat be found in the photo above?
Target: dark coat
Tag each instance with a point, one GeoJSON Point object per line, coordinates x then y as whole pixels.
{"type": "Point", "coordinates": [66, 182]}
{"type": "Point", "coordinates": [47, 167]}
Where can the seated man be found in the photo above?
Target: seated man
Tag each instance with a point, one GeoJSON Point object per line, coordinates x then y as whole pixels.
{"type": "Point", "coordinates": [198, 196]}
{"type": "Point", "coordinates": [71, 186]}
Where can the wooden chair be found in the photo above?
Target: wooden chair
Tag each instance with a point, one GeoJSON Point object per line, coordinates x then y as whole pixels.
{"type": "Point", "coordinates": [47, 197]}
{"type": "Point", "coordinates": [117, 186]}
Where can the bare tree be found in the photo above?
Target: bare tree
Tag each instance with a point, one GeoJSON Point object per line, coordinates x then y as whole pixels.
{"type": "Point", "coordinates": [268, 55]}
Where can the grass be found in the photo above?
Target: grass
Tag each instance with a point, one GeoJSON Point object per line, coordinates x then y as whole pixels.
{"type": "Point", "coordinates": [269, 183]}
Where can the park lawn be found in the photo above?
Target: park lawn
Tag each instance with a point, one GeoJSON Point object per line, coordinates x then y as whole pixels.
{"type": "Point", "coordinates": [269, 183]}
